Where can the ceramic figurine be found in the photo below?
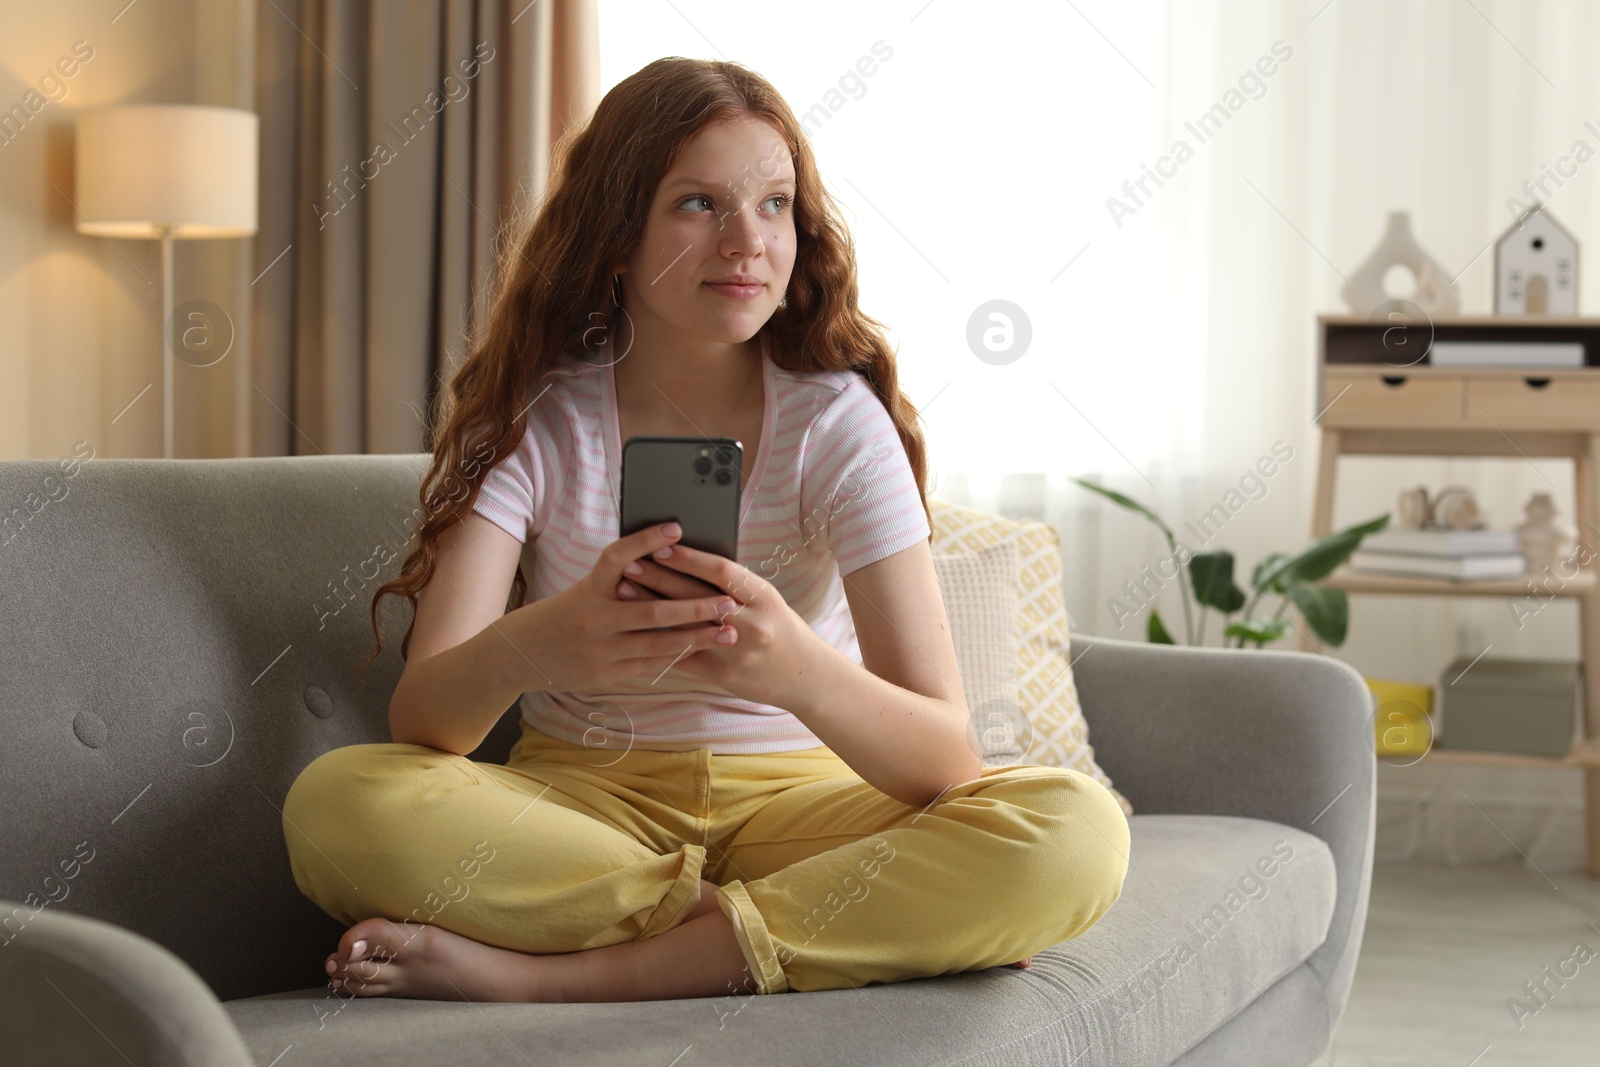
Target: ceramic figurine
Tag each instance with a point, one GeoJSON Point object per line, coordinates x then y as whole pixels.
{"type": "Point", "coordinates": [1413, 508]}
{"type": "Point", "coordinates": [1456, 508]}
{"type": "Point", "coordinates": [1542, 538]}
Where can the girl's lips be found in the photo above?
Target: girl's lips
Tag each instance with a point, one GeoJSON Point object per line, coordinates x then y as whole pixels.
{"type": "Point", "coordinates": [738, 292]}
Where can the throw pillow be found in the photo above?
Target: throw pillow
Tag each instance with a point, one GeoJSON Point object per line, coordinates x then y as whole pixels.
{"type": "Point", "coordinates": [1045, 688]}
{"type": "Point", "coordinates": [980, 601]}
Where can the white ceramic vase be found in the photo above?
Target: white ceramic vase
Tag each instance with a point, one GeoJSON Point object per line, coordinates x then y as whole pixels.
{"type": "Point", "coordinates": [1434, 292]}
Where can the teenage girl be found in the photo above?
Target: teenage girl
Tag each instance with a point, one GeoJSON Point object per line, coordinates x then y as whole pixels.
{"type": "Point", "coordinates": [754, 776]}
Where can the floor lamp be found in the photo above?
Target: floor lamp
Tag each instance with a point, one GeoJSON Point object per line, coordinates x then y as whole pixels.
{"type": "Point", "coordinates": [171, 172]}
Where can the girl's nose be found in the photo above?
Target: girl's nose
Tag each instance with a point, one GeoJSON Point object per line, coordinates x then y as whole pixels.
{"type": "Point", "coordinates": [741, 231]}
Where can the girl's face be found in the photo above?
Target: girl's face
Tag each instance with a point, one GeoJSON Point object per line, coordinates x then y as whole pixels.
{"type": "Point", "coordinates": [726, 208]}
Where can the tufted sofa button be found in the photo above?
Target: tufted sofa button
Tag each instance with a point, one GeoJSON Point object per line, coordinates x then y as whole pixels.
{"type": "Point", "coordinates": [318, 701]}
{"type": "Point", "coordinates": [90, 728]}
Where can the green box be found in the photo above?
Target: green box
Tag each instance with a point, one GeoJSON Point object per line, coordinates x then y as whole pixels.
{"type": "Point", "coordinates": [1509, 705]}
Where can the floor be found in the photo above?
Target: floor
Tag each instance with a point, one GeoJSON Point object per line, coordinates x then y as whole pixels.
{"type": "Point", "coordinates": [1448, 950]}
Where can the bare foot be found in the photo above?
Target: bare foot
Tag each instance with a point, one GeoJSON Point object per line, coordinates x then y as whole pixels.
{"type": "Point", "coordinates": [377, 958]}
{"type": "Point", "coordinates": [1022, 963]}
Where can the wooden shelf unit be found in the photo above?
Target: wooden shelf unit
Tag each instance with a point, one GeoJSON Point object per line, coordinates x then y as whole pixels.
{"type": "Point", "coordinates": [1379, 394]}
{"type": "Point", "coordinates": [1582, 754]}
{"type": "Point", "coordinates": [1581, 584]}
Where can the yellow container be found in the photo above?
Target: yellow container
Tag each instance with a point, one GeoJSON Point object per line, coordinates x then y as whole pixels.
{"type": "Point", "coordinates": [1402, 722]}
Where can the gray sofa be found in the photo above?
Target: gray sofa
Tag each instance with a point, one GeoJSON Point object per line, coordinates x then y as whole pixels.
{"type": "Point", "coordinates": [179, 640]}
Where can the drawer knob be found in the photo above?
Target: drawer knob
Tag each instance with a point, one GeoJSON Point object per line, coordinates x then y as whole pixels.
{"type": "Point", "coordinates": [1394, 380]}
{"type": "Point", "coordinates": [1537, 383]}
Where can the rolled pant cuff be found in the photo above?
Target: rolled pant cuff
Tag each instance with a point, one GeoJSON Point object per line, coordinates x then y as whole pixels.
{"type": "Point", "coordinates": [751, 930]}
{"type": "Point", "coordinates": [683, 895]}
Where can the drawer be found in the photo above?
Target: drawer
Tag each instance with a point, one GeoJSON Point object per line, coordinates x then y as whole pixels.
{"type": "Point", "coordinates": [1396, 399]}
{"type": "Point", "coordinates": [1534, 402]}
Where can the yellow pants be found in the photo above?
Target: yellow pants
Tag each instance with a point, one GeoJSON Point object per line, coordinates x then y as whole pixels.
{"type": "Point", "coordinates": [828, 882]}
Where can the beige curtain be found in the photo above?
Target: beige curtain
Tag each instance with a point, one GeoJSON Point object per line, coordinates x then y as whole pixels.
{"type": "Point", "coordinates": [396, 138]}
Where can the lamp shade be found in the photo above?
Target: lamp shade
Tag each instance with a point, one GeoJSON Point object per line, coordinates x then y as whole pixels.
{"type": "Point", "coordinates": [145, 167]}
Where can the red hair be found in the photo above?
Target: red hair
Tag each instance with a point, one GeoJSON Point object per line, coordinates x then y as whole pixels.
{"type": "Point", "coordinates": [554, 274]}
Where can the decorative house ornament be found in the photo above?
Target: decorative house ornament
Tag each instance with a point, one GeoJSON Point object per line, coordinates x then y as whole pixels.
{"type": "Point", "coordinates": [1434, 292]}
{"type": "Point", "coordinates": [1542, 538]}
{"type": "Point", "coordinates": [1536, 267]}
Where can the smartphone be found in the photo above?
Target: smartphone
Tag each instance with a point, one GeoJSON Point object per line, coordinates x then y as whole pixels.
{"type": "Point", "coordinates": [691, 480]}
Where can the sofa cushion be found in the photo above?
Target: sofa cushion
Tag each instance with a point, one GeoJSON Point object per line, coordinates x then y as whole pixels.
{"type": "Point", "coordinates": [1200, 930]}
{"type": "Point", "coordinates": [185, 638]}
{"type": "Point", "coordinates": [1215, 909]}
{"type": "Point", "coordinates": [979, 590]}
{"type": "Point", "coordinates": [1045, 689]}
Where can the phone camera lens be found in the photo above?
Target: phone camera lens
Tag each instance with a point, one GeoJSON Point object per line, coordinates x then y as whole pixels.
{"type": "Point", "coordinates": [724, 477]}
{"type": "Point", "coordinates": [724, 456]}
{"type": "Point", "coordinates": [702, 466]}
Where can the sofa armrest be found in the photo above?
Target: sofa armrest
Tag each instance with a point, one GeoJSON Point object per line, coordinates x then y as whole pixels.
{"type": "Point", "coordinates": [1284, 736]}
{"type": "Point", "coordinates": [75, 990]}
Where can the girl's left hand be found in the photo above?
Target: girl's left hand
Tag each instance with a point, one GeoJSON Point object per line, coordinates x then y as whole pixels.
{"type": "Point", "coordinates": [773, 648]}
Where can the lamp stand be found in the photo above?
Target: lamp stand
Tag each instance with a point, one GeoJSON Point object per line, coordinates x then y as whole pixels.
{"type": "Point", "coordinates": [167, 358]}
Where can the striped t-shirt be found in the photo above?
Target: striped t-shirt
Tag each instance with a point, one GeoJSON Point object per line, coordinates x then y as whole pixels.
{"type": "Point", "coordinates": [831, 491]}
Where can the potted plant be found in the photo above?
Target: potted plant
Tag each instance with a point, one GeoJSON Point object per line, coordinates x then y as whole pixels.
{"type": "Point", "coordinates": [1293, 577]}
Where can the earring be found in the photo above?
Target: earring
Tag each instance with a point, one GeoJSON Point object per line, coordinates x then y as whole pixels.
{"type": "Point", "coordinates": [783, 301]}
{"type": "Point", "coordinates": [616, 288]}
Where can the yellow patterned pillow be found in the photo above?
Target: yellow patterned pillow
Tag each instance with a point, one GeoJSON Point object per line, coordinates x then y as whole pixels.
{"type": "Point", "coordinates": [1045, 689]}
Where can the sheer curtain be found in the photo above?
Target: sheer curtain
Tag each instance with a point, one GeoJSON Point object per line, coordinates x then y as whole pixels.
{"type": "Point", "coordinates": [1169, 294]}
{"type": "Point", "coordinates": [1444, 110]}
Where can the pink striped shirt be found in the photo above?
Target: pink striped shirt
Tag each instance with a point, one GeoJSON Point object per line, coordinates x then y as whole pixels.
{"type": "Point", "coordinates": [832, 491]}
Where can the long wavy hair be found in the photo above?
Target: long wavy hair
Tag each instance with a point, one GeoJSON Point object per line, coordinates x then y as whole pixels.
{"type": "Point", "coordinates": [553, 272]}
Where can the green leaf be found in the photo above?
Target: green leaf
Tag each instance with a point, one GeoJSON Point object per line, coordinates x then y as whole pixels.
{"type": "Point", "coordinates": [1271, 561]}
{"type": "Point", "coordinates": [1156, 631]}
{"type": "Point", "coordinates": [1212, 575]}
{"type": "Point", "coordinates": [1370, 526]}
{"type": "Point", "coordinates": [1322, 557]}
{"type": "Point", "coordinates": [1126, 502]}
{"type": "Point", "coordinates": [1259, 630]}
{"type": "Point", "coordinates": [1327, 611]}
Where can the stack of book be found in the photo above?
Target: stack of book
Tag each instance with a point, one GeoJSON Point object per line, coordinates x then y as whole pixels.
{"type": "Point", "coordinates": [1458, 555]}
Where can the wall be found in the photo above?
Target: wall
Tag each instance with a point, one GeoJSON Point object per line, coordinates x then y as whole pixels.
{"type": "Point", "coordinates": [82, 314]}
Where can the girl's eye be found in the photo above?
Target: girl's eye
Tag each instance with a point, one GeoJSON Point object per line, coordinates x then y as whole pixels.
{"type": "Point", "coordinates": [785, 201]}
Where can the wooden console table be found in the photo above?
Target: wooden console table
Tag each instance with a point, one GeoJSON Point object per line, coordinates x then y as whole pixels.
{"type": "Point", "coordinates": [1377, 397]}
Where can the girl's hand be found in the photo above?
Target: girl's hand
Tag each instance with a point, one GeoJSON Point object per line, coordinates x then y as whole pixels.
{"type": "Point", "coordinates": [587, 637]}
{"type": "Point", "coordinates": [773, 648]}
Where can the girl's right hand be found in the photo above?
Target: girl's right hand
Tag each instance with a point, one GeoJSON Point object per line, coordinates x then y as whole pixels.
{"type": "Point", "coordinates": [587, 637]}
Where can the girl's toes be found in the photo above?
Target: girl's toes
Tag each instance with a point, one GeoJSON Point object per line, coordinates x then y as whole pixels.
{"type": "Point", "coordinates": [365, 978]}
{"type": "Point", "coordinates": [367, 938]}
{"type": "Point", "coordinates": [355, 986]}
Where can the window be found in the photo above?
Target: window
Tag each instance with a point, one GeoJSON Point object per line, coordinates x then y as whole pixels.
{"type": "Point", "coordinates": [974, 163]}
